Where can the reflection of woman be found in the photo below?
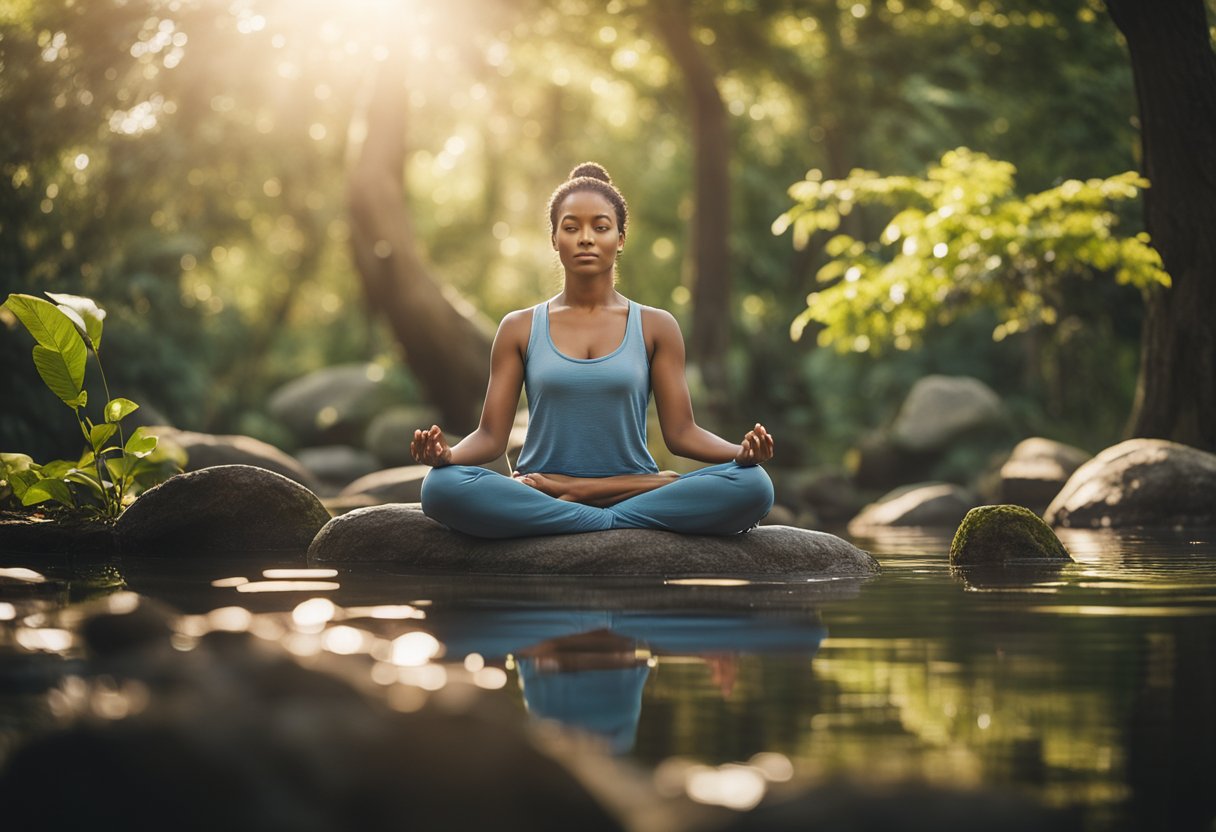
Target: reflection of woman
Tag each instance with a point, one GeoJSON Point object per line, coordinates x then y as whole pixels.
{"type": "Point", "coordinates": [590, 358]}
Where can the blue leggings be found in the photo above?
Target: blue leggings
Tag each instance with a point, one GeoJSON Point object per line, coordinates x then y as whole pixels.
{"type": "Point", "coordinates": [722, 499]}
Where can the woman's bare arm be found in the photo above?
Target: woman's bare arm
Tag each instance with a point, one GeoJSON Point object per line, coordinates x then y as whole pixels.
{"type": "Point", "coordinates": [680, 430]}
{"type": "Point", "coordinates": [489, 441]}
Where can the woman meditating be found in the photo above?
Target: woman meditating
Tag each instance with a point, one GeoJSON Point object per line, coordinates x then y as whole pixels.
{"type": "Point", "coordinates": [590, 359]}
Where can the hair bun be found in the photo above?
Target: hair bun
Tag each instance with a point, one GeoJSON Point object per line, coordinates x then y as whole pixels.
{"type": "Point", "coordinates": [591, 170]}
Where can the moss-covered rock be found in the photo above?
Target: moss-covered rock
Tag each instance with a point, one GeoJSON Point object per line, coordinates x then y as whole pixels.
{"type": "Point", "coordinates": [993, 535]}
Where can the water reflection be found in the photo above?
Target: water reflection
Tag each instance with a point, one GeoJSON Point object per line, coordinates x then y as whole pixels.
{"type": "Point", "coordinates": [1091, 685]}
{"type": "Point", "coordinates": [588, 668]}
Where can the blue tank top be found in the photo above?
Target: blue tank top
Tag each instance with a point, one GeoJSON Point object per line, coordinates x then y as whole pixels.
{"type": "Point", "coordinates": [586, 416]}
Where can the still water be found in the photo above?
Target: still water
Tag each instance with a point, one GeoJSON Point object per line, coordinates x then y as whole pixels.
{"type": "Point", "coordinates": [1092, 686]}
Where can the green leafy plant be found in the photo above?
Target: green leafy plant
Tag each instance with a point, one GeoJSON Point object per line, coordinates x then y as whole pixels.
{"type": "Point", "coordinates": [961, 239]}
{"type": "Point", "coordinates": [108, 474]}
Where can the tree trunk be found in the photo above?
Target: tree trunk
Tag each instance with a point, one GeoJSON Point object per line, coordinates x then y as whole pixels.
{"type": "Point", "coordinates": [446, 341]}
{"type": "Point", "coordinates": [1175, 75]}
{"type": "Point", "coordinates": [711, 223]}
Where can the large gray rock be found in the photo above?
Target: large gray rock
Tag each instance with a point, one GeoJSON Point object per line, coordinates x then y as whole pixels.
{"type": "Point", "coordinates": [924, 504]}
{"type": "Point", "coordinates": [225, 510]}
{"type": "Point", "coordinates": [1036, 471]}
{"type": "Point", "coordinates": [333, 405]}
{"type": "Point", "coordinates": [389, 434]}
{"type": "Point", "coordinates": [392, 485]}
{"type": "Point", "coordinates": [1140, 482]}
{"type": "Point", "coordinates": [206, 450]}
{"type": "Point", "coordinates": [403, 535]}
{"type": "Point", "coordinates": [336, 466]}
{"type": "Point", "coordinates": [939, 409]}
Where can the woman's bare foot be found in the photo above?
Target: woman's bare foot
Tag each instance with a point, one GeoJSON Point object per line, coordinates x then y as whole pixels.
{"type": "Point", "coordinates": [597, 491]}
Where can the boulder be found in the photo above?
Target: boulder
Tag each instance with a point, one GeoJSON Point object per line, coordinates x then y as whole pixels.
{"type": "Point", "coordinates": [205, 450]}
{"type": "Point", "coordinates": [392, 485]}
{"type": "Point", "coordinates": [287, 747]}
{"type": "Point", "coordinates": [225, 510]}
{"type": "Point", "coordinates": [403, 535]}
{"type": "Point", "coordinates": [388, 436]}
{"type": "Point", "coordinates": [1036, 471]}
{"type": "Point", "coordinates": [335, 466]}
{"type": "Point", "coordinates": [940, 409]}
{"type": "Point", "coordinates": [923, 504]}
{"type": "Point", "coordinates": [1140, 482]}
{"type": "Point", "coordinates": [333, 404]}
{"type": "Point", "coordinates": [826, 493]}
{"type": "Point", "coordinates": [996, 535]}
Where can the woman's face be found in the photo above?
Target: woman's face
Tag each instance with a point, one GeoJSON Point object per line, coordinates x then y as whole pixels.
{"type": "Point", "coordinates": [587, 238]}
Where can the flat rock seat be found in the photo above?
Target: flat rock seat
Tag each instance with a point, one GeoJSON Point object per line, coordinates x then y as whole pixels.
{"type": "Point", "coordinates": [403, 535]}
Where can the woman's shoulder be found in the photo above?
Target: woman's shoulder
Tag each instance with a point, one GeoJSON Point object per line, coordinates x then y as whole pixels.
{"type": "Point", "coordinates": [658, 320]}
{"type": "Point", "coordinates": [516, 326]}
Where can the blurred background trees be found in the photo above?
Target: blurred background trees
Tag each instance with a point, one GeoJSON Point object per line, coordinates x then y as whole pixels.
{"type": "Point", "coordinates": [187, 163]}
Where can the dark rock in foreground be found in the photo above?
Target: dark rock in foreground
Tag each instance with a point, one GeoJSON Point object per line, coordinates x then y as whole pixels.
{"type": "Point", "coordinates": [1140, 482]}
{"type": "Point", "coordinates": [403, 535]}
{"type": "Point", "coordinates": [225, 510]}
{"type": "Point", "coordinates": [995, 535]}
{"type": "Point", "coordinates": [235, 735]}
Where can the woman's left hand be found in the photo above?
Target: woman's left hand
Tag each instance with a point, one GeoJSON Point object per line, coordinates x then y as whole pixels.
{"type": "Point", "coordinates": [756, 448]}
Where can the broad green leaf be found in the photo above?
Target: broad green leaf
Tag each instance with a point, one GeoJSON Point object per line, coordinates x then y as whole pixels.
{"type": "Point", "coordinates": [44, 490]}
{"type": "Point", "coordinates": [63, 372]}
{"type": "Point", "coordinates": [20, 481]}
{"type": "Point", "coordinates": [100, 434]}
{"type": "Point", "coordinates": [86, 459]}
{"type": "Point", "coordinates": [57, 469]}
{"type": "Point", "coordinates": [46, 322]}
{"type": "Point", "coordinates": [121, 467]}
{"type": "Point", "coordinates": [83, 312]}
{"type": "Point", "coordinates": [141, 443]}
{"type": "Point", "coordinates": [118, 409]}
{"type": "Point", "coordinates": [12, 463]}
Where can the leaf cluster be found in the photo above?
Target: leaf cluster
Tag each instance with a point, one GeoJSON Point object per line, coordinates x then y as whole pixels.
{"type": "Point", "coordinates": [961, 239]}
{"type": "Point", "coordinates": [107, 475]}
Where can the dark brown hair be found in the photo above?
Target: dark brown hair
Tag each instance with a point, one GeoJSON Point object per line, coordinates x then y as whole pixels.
{"type": "Point", "coordinates": [589, 176]}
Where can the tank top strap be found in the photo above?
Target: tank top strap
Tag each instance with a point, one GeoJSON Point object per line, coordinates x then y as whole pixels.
{"type": "Point", "coordinates": [540, 328]}
{"type": "Point", "coordinates": [634, 334]}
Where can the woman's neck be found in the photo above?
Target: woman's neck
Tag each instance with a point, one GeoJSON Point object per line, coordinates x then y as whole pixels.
{"type": "Point", "coordinates": [587, 293]}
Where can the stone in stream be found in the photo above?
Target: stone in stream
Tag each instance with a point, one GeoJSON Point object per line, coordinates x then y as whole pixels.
{"type": "Point", "coordinates": [999, 535]}
{"type": "Point", "coordinates": [225, 510]}
{"type": "Point", "coordinates": [403, 535]}
{"type": "Point", "coordinates": [1036, 471]}
{"type": "Point", "coordinates": [1140, 482]}
{"type": "Point", "coordinates": [929, 504]}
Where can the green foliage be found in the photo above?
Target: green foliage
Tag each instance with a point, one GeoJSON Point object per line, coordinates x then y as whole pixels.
{"type": "Point", "coordinates": [107, 476]}
{"type": "Point", "coordinates": [961, 239]}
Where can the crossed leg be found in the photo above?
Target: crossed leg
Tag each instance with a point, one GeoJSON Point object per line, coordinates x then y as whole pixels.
{"type": "Point", "coordinates": [721, 499]}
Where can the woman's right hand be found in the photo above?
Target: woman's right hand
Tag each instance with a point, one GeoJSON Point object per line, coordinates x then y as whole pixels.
{"type": "Point", "coordinates": [430, 448]}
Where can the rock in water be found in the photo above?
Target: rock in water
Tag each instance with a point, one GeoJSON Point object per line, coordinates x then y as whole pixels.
{"type": "Point", "coordinates": [924, 504]}
{"type": "Point", "coordinates": [225, 510]}
{"type": "Point", "coordinates": [404, 535]}
{"type": "Point", "coordinates": [1037, 470]}
{"type": "Point", "coordinates": [996, 535]}
{"type": "Point", "coordinates": [1140, 482]}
